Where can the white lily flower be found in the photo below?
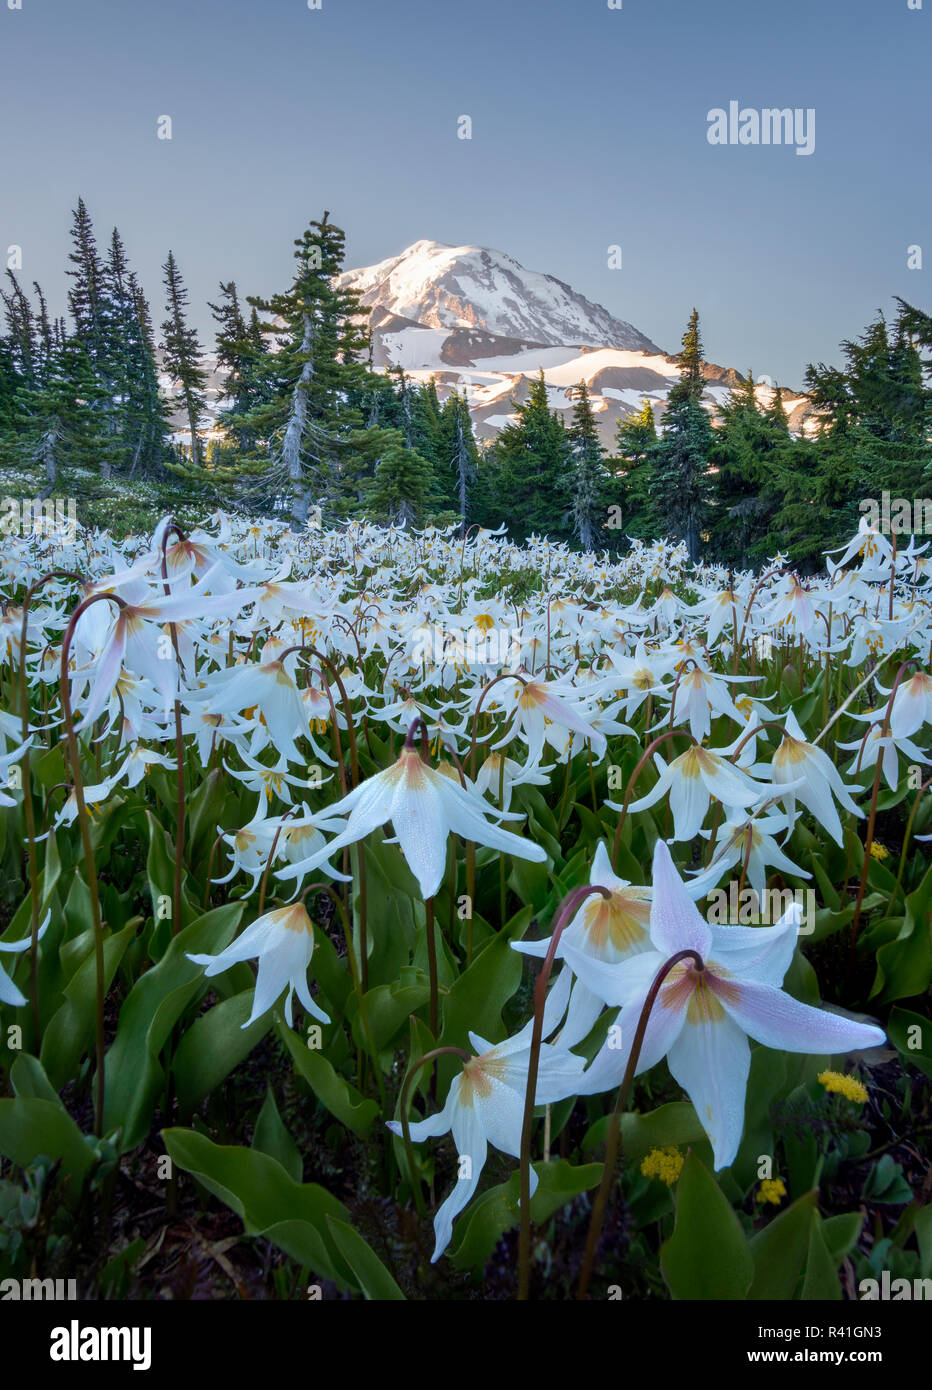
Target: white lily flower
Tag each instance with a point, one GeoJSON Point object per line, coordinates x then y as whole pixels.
{"type": "Point", "coordinates": [424, 807]}
{"type": "Point", "coordinates": [283, 941]}
{"type": "Point", "coordinates": [485, 1105]}
{"type": "Point", "coordinates": [747, 838]}
{"type": "Point", "coordinates": [691, 780]}
{"type": "Point", "coordinates": [610, 929]}
{"type": "Point", "coordinates": [815, 775]}
{"type": "Point", "coordinates": [538, 706]}
{"type": "Point", "coordinates": [702, 1019]}
{"type": "Point", "coordinates": [885, 747]}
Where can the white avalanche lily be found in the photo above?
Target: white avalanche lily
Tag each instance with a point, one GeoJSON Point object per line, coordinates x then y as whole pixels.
{"type": "Point", "coordinates": [283, 940]}
{"type": "Point", "coordinates": [692, 780]}
{"type": "Point", "coordinates": [9, 994]}
{"type": "Point", "coordinates": [485, 1105]}
{"type": "Point", "coordinates": [815, 777]}
{"type": "Point", "coordinates": [610, 929]}
{"type": "Point", "coordinates": [424, 807]}
{"type": "Point", "coordinates": [702, 1019]}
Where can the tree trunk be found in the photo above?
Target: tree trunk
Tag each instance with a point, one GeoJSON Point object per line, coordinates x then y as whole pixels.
{"type": "Point", "coordinates": [294, 435]}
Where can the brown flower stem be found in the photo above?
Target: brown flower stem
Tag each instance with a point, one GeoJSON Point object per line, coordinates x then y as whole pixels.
{"type": "Point", "coordinates": [613, 1134]}
{"type": "Point", "coordinates": [337, 901]}
{"type": "Point", "coordinates": [661, 738]}
{"type": "Point", "coordinates": [29, 812]}
{"type": "Point", "coordinates": [413, 1069]}
{"type": "Point", "coordinates": [74, 758]}
{"type": "Point", "coordinates": [568, 909]}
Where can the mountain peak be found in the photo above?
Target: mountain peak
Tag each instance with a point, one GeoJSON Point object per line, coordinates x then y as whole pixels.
{"type": "Point", "coordinates": [442, 286]}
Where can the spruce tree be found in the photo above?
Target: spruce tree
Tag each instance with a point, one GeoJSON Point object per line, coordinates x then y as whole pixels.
{"type": "Point", "coordinates": [681, 487]}
{"type": "Point", "coordinates": [632, 467]}
{"type": "Point", "coordinates": [183, 354]}
{"type": "Point", "coordinates": [588, 476]}
{"type": "Point", "coordinates": [532, 455]}
{"type": "Point", "coordinates": [306, 416]}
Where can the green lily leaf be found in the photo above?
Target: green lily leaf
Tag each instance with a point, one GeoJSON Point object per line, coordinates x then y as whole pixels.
{"type": "Point", "coordinates": [707, 1256]}
{"type": "Point", "coordinates": [482, 1225]}
{"type": "Point", "coordinates": [373, 1278]}
{"type": "Point", "coordinates": [290, 1214]}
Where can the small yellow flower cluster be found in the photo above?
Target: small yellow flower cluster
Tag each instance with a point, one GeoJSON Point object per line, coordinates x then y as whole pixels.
{"type": "Point", "coordinates": [771, 1190]}
{"type": "Point", "coordinates": [665, 1164]}
{"type": "Point", "coordinates": [879, 851]}
{"type": "Point", "coordinates": [847, 1086]}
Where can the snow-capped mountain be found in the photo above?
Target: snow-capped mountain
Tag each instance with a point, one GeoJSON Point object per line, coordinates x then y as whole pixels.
{"type": "Point", "coordinates": [477, 322]}
{"type": "Point", "coordinates": [474, 287]}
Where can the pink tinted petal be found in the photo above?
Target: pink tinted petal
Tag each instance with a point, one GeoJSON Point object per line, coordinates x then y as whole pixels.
{"type": "Point", "coordinates": [777, 1020]}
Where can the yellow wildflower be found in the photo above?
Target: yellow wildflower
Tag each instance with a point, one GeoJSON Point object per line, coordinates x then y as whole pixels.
{"type": "Point", "coordinates": [771, 1190]}
{"type": "Point", "coordinates": [847, 1086]}
{"type": "Point", "coordinates": [879, 851]}
{"type": "Point", "coordinates": [665, 1164]}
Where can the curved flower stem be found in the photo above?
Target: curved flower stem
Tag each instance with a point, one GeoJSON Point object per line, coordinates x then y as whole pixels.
{"type": "Point", "coordinates": [210, 865]}
{"type": "Point", "coordinates": [668, 733]}
{"type": "Point", "coordinates": [432, 966]}
{"type": "Point", "coordinates": [766, 724]}
{"type": "Point", "coordinates": [763, 579]}
{"type": "Point", "coordinates": [173, 527]}
{"type": "Point", "coordinates": [503, 676]}
{"type": "Point", "coordinates": [872, 819]}
{"type": "Point", "coordinates": [567, 911]}
{"type": "Point", "coordinates": [29, 812]}
{"type": "Point", "coordinates": [613, 1135]}
{"type": "Point", "coordinates": [337, 901]}
{"type": "Point", "coordinates": [74, 757]}
{"type": "Point", "coordinates": [268, 863]}
{"type": "Point", "coordinates": [412, 1071]}
{"type": "Point", "coordinates": [690, 661]}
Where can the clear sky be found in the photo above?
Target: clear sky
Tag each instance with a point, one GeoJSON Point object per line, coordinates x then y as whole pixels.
{"type": "Point", "coordinates": [589, 129]}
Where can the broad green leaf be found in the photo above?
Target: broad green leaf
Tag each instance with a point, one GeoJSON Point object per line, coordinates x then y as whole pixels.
{"type": "Point", "coordinates": [924, 1238]}
{"type": "Point", "coordinates": [28, 1078]}
{"type": "Point", "coordinates": [911, 1034]}
{"type": "Point", "coordinates": [780, 1250]}
{"type": "Point", "coordinates": [133, 1073]}
{"type": "Point", "coordinates": [675, 1124]}
{"type": "Point", "coordinates": [339, 1097]}
{"type": "Point", "coordinates": [292, 1215]}
{"type": "Point", "coordinates": [904, 966]}
{"type": "Point", "coordinates": [215, 1044]}
{"type": "Point", "coordinates": [707, 1256]}
{"type": "Point", "coordinates": [30, 1126]}
{"type": "Point", "coordinates": [840, 1234]}
{"type": "Point", "coordinates": [70, 1031]}
{"type": "Point", "coordinates": [272, 1138]}
{"type": "Point", "coordinates": [485, 1221]}
{"type": "Point", "coordinates": [371, 1275]}
{"type": "Point", "coordinates": [821, 1281]}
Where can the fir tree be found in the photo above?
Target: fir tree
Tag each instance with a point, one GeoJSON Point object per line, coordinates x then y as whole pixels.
{"type": "Point", "coordinates": [632, 468]}
{"type": "Point", "coordinates": [588, 477]}
{"type": "Point", "coordinates": [681, 488]}
{"type": "Point", "coordinates": [531, 456]}
{"type": "Point", "coordinates": [459, 458]}
{"type": "Point", "coordinates": [183, 354]}
{"type": "Point", "coordinates": [306, 417]}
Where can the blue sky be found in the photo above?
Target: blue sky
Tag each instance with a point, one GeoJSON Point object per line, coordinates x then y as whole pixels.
{"type": "Point", "coordinates": [589, 130]}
